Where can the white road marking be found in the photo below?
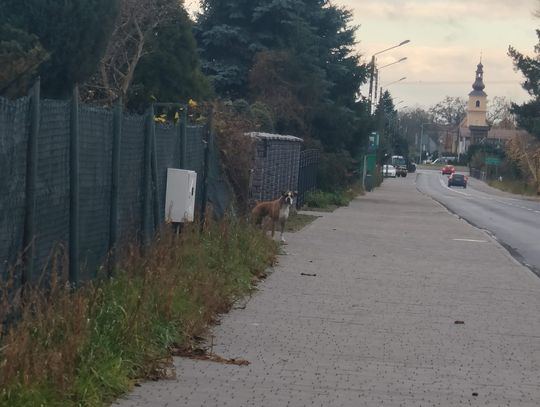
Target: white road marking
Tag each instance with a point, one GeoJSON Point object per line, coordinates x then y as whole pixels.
{"type": "Point", "coordinates": [470, 240]}
{"type": "Point", "coordinates": [444, 185]}
{"type": "Point", "coordinates": [450, 189]}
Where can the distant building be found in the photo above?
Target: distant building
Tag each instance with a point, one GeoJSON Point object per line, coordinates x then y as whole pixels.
{"type": "Point", "coordinates": [475, 129]}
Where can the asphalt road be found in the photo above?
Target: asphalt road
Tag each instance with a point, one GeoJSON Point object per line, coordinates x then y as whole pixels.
{"type": "Point", "coordinates": [512, 220]}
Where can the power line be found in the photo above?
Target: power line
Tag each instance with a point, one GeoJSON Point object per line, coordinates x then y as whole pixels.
{"type": "Point", "coordinates": [457, 83]}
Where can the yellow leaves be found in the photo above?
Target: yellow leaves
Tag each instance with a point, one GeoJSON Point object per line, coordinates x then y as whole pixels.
{"type": "Point", "coordinates": [162, 118]}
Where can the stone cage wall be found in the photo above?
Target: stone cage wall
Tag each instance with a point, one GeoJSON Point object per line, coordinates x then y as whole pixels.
{"type": "Point", "coordinates": [276, 165]}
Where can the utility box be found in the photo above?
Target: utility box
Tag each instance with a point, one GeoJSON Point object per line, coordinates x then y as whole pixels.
{"type": "Point", "coordinates": [180, 195]}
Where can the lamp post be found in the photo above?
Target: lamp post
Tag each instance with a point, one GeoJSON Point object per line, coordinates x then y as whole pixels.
{"type": "Point", "coordinates": [391, 83]}
{"type": "Point", "coordinates": [377, 75]}
{"type": "Point", "coordinates": [421, 138]}
{"type": "Point", "coordinates": [372, 70]}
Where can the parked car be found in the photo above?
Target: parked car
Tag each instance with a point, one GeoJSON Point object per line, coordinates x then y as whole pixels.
{"type": "Point", "coordinates": [389, 171]}
{"type": "Point", "coordinates": [448, 169]}
{"type": "Point", "coordinates": [444, 160]}
{"type": "Point", "coordinates": [457, 180]}
{"type": "Point", "coordinates": [439, 160]}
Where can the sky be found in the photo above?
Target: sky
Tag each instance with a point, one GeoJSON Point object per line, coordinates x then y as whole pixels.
{"type": "Point", "coordinates": [447, 40]}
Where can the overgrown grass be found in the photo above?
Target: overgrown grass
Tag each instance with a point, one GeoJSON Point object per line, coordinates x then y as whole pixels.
{"type": "Point", "coordinates": [86, 347]}
{"type": "Point", "coordinates": [514, 186]}
{"type": "Point", "coordinates": [331, 200]}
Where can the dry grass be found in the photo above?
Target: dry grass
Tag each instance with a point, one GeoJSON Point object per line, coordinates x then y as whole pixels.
{"type": "Point", "coordinates": [87, 346]}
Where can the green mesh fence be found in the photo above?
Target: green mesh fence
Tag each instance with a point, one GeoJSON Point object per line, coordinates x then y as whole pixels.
{"type": "Point", "coordinates": [52, 187]}
{"type": "Point", "coordinates": [195, 136]}
{"type": "Point", "coordinates": [131, 179]}
{"type": "Point", "coordinates": [103, 211]}
{"type": "Point", "coordinates": [168, 156]}
{"type": "Point", "coordinates": [95, 180]}
{"type": "Point", "coordinates": [14, 126]}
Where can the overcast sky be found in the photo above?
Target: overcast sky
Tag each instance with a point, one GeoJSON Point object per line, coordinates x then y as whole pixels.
{"type": "Point", "coordinates": [447, 39]}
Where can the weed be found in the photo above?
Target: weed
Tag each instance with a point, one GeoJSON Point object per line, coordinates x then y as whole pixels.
{"type": "Point", "coordinates": [323, 200]}
{"type": "Point", "coordinates": [87, 346]}
{"type": "Point", "coordinates": [514, 186]}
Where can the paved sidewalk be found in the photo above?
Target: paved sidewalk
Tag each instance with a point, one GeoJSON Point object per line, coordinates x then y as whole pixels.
{"type": "Point", "coordinates": [376, 325]}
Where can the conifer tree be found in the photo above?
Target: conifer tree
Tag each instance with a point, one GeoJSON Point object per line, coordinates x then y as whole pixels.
{"type": "Point", "coordinates": [528, 113]}
{"type": "Point", "coordinates": [73, 32]}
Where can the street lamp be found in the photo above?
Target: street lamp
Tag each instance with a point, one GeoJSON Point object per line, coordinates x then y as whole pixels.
{"type": "Point", "coordinates": [388, 84]}
{"type": "Point", "coordinates": [377, 75]}
{"type": "Point", "coordinates": [372, 70]}
{"type": "Point", "coordinates": [391, 63]}
{"type": "Point", "coordinates": [421, 138]}
{"type": "Point", "coordinates": [391, 83]}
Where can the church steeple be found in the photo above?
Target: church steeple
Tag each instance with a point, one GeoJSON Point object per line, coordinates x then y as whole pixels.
{"type": "Point", "coordinates": [477, 107]}
{"type": "Point", "coordinates": [478, 84]}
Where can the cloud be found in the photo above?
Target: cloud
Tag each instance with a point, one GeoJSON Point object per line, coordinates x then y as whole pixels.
{"type": "Point", "coordinates": [443, 10]}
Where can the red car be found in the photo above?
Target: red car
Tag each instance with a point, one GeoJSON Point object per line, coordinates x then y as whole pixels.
{"type": "Point", "coordinates": [448, 169]}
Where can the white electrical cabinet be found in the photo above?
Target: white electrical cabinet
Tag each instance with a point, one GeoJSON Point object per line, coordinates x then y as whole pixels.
{"type": "Point", "coordinates": [180, 195]}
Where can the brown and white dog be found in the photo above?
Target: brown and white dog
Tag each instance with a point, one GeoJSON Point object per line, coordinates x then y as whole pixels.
{"type": "Point", "coordinates": [277, 211]}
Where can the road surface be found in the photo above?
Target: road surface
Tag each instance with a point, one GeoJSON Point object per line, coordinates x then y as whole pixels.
{"type": "Point", "coordinates": [513, 221]}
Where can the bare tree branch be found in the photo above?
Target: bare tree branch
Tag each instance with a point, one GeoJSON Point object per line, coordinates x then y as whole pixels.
{"type": "Point", "coordinates": [136, 22]}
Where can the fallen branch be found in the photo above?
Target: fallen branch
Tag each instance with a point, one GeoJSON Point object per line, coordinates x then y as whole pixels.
{"type": "Point", "coordinates": [203, 354]}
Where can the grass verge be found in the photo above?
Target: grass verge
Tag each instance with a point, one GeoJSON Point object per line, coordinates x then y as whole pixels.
{"type": "Point", "coordinates": [86, 347]}
{"type": "Point", "coordinates": [329, 201]}
{"type": "Point", "coordinates": [514, 187]}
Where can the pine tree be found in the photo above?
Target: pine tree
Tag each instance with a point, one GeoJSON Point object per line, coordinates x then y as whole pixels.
{"type": "Point", "coordinates": [295, 55]}
{"type": "Point", "coordinates": [170, 68]}
{"type": "Point", "coordinates": [73, 32]}
{"type": "Point", "coordinates": [528, 114]}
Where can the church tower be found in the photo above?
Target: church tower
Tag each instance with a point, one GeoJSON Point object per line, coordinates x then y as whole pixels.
{"type": "Point", "coordinates": [477, 108]}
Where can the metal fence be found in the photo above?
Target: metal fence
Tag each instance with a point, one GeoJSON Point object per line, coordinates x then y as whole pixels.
{"type": "Point", "coordinates": [276, 165]}
{"type": "Point", "coordinates": [78, 181]}
{"type": "Point", "coordinates": [280, 165]}
{"type": "Point", "coordinates": [84, 180]}
{"type": "Point", "coordinates": [307, 174]}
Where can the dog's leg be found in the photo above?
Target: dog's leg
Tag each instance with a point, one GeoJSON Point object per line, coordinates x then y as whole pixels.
{"type": "Point", "coordinates": [282, 224]}
{"type": "Point", "coordinates": [273, 227]}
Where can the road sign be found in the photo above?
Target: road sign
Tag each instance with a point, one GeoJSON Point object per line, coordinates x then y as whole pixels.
{"type": "Point", "coordinates": [493, 161]}
{"type": "Point", "coordinates": [373, 142]}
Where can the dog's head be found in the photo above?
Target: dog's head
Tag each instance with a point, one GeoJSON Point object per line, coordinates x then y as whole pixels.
{"type": "Point", "coordinates": [287, 197]}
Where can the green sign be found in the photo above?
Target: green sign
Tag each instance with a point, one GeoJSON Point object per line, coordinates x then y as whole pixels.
{"type": "Point", "coordinates": [493, 161]}
{"type": "Point", "coordinates": [373, 141]}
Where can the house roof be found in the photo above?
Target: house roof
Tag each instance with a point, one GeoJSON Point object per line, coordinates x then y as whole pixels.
{"type": "Point", "coordinates": [505, 134]}
{"type": "Point", "coordinates": [493, 133]}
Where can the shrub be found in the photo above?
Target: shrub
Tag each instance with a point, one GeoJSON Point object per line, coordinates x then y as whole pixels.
{"type": "Point", "coordinates": [85, 347]}
{"type": "Point", "coordinates": [323, 200]}
{"type": "Point", "coordinates": [336, 171]}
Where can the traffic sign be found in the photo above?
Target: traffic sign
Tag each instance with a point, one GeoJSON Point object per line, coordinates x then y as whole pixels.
{"type": "Point", "coordinates": [493, 161]}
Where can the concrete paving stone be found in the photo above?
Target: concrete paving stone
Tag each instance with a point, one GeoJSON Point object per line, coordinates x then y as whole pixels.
{"type": "Point", "coordinates": [376, 325]}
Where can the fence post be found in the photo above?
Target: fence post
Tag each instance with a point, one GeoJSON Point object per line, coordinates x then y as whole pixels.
{"type": "Point", "coordinates": [155, 189]}
{"type": "Point", "coordinates": [183, 138]}
{"type": "Point", "coordinates": [115, 181]}
{"type": "Point", "coordinates": [147, 184]}
{"type": "Point", "coordinates": [74, 190]}
{"type": "Point", "coordinates": [31, 175]}
{"type": "Point", "coordinates": [208, 145]}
